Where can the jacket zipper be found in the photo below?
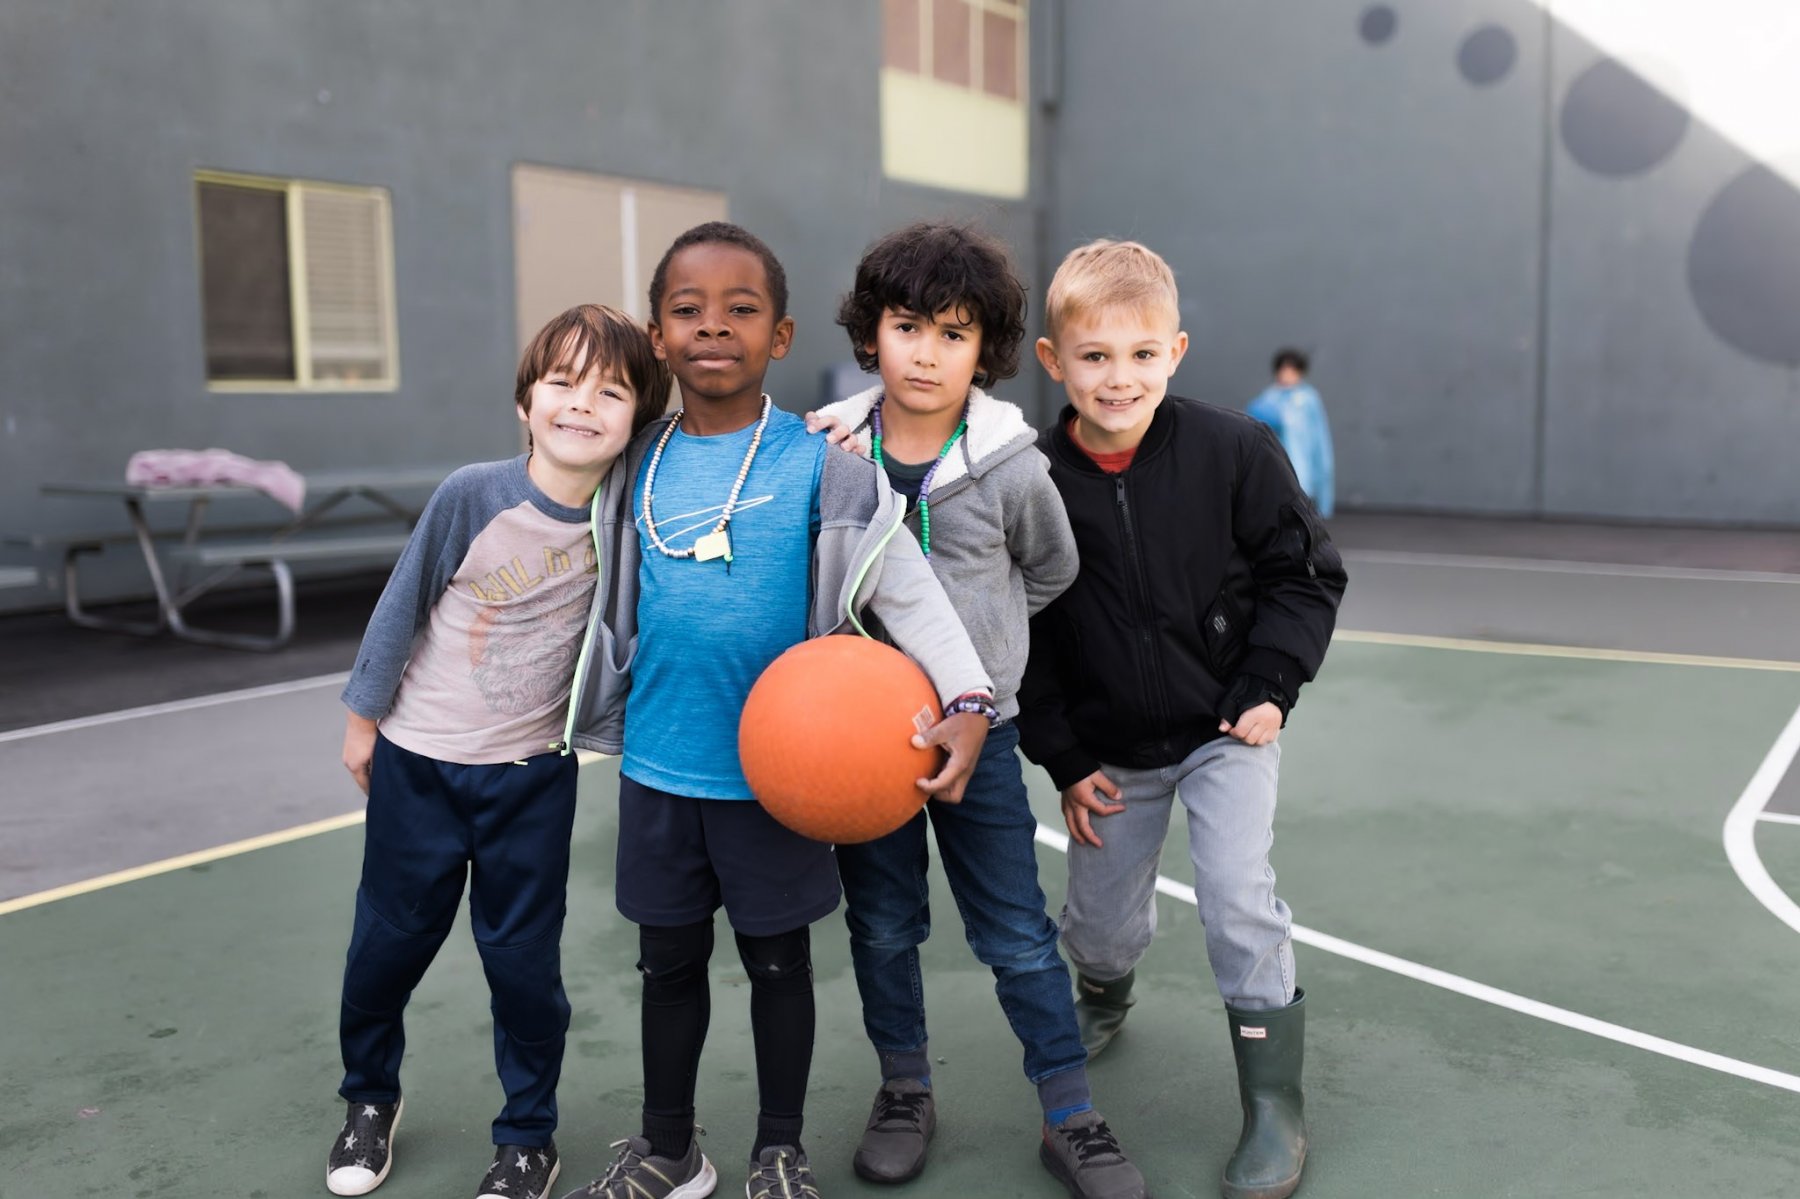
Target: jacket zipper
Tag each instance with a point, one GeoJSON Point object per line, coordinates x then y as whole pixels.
{"type": "Point", "coordinates": [1149, 664]}
{"type": "Point", "coordinates": [587, 641]}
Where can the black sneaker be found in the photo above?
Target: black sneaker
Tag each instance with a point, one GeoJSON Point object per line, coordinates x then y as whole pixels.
{"type": "Point", "coordinates": [638, 1174]}
{"type": "Point", "coordinates": [900, 1127]}
{"type": "Point", "coordinates": [363, 1152]}
{"type": "Point", "coordinates": [520, 1172]}
{"type": "Point", "coordinates": [1085, 1157]}
{"type": "Point", "coordinates": [781, 1172]}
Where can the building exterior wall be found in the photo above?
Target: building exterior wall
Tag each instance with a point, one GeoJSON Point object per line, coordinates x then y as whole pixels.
{"type": "Point", "coordinates": [1522, 295]}
{"type": "Point", "coordinates": [112, 107]}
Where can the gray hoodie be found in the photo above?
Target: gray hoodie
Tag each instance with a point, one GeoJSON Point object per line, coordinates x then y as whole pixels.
{"type": "Point", "coordinates": [1000, 538]}
{"type": "Point", "coordinates": [861, 560]}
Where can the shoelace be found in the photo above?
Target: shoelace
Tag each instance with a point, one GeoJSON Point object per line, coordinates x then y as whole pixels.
{"type": "Point", "coordinates": [906, 1108]}
{"type": "Point", "coordinates": [783, 1174]}
{"type": "Point", "coordinates": [1092, 1141]}
{"type": "Point", "coordinates": [619, 1174]}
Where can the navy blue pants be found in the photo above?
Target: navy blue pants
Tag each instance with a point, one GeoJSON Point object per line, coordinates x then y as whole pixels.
{"type": "Point", "coordinates": [506, 829]}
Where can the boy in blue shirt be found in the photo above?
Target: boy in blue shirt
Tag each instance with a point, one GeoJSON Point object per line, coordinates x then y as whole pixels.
{"type": "Point", "coordinates": [938, 311]}
{"type": "Point", "coordinates": [749, 537]}
{"type": "Point", "coordinates": [1292, 407]}
{"type": "Point", "coordinates": [460, 706]}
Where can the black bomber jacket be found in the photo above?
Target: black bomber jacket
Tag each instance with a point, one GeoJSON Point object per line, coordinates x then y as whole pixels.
{"type": "Point", "coordinates": [1207, 585]}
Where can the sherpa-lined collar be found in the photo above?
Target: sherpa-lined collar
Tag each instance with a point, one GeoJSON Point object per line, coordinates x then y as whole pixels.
{"type": "Point", "coordinates": [997, 430]}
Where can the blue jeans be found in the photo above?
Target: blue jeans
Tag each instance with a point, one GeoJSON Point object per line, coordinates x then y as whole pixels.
{"type": "Point", "coordinates": [990, 856]}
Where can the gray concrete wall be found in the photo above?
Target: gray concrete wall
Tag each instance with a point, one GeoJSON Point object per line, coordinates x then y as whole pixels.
{"type": "Point", "coordinates": [1515, 298]}
{"type": "Point", "coordinates": [112, 107]}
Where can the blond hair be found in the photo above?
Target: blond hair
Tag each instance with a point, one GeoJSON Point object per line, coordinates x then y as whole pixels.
{"type": "Point", "coordinates": [1111, 274]}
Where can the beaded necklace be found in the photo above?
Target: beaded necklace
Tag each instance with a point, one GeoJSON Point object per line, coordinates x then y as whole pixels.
{"type": "Point", "coordinates": [925, 483]}
{"type": "Point", "coordinates": [716, 544]}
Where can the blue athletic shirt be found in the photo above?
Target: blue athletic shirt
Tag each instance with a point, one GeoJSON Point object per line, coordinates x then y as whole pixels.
{"type": "Point", "coordinates": [706, 631]}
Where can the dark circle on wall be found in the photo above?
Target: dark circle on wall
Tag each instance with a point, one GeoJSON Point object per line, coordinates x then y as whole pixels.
{"type": "Point", "coordinates": [1487, 55]}
{"type": "Point", "coordinates": [1615, 122]}
{"type": "Point", "coordinates": [1378, 24]}
{"type": "Point", "coordinates": [1744, 266]}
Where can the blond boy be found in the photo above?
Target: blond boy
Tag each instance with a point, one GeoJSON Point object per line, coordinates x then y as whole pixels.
{"type": "Point", "coordinates": [1207, 596]}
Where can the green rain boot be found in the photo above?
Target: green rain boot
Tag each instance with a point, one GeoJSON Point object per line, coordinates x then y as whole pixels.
{"type": "Point", "coordinates": [1100, 1009]}
{"type": "Point", "coordinates": [1269, 1047]}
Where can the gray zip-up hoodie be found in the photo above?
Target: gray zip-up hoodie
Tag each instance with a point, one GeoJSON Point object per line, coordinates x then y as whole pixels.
{"type": "Point", "coordinates": [861, 560]}
{"type": "Point", "coordinates": [1000, 538]}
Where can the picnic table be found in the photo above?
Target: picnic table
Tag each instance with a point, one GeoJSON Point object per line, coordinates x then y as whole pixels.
{"type": "Point", "coordinates": [390, 489]}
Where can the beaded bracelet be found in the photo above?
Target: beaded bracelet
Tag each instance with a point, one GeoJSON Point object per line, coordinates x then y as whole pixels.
{"type": "Point", "coordinates": [974, 703]}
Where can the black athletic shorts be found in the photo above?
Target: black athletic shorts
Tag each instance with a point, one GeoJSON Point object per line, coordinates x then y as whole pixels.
{"type": "Point", "coordinates": [681, 859]}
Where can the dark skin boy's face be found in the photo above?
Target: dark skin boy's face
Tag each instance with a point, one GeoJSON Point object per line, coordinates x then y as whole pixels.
{"type": "Point", "coordinates": [717, 327]}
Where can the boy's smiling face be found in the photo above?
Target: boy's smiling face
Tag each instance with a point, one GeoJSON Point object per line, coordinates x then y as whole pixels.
{"type": "Point", "coordinates": [1115, 364]}
{"type": "Point", "coordinates": [927, 363]}
{"type": "Point", "coordinates": [579, 415]}
{"type": "Point", "coordinates": [717, 327]}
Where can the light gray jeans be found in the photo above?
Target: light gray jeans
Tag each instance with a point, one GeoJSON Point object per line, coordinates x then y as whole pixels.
{"type": "Point", "coordinates": [1228, 789]}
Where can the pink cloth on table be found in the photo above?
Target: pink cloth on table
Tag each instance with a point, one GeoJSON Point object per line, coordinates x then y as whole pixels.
{"type": "Point", "coordinates": [213, 468]}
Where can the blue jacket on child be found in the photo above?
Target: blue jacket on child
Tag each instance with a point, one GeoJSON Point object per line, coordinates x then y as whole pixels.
{"type": "Point", "coordinates": [1297, 415]}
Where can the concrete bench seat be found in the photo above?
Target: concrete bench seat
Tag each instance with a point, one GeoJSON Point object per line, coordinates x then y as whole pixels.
{"type": "Point", "coordinates": [226, 557]}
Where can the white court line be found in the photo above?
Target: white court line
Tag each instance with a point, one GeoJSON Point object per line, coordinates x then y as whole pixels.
{"type": "Point", "coordinates": [1740, 826]}
{"type": "Point", "coordinates": [1557, 566]}
{"type": "Point", "coordinates": [1778, 817]}
{"type": "Point", "coordinates": [1494, 995]}
{"type": "Point", "coordinates": [177, 705]}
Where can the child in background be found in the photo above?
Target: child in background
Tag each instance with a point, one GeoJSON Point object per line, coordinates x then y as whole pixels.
{"type": "Point", "coordinates": [939, 313]}
{"type": "Point", "coordinates": [1294, 410]}
{"type": "Point", "coordinates": [751, 536]}
{"type": "Point", "coordinates": [460, 705]}
{"type": "Point", "coordinates": [1207, 596]}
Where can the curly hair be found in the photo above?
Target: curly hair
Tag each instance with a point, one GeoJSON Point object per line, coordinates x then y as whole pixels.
{"type": "Point", "coordinates": [721, 233]}
{"type": "Point", "coordinates": [931, 267]}
{"type": "Point", "coordinates": [1290, 356]}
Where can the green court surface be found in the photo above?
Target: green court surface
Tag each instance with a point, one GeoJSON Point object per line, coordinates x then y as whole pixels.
{"type": "Point", "coordinates": [1550, 827]}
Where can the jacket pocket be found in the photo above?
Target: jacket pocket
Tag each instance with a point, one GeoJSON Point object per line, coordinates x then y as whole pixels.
{"type": "Point", "coordinates": [608, 685]}
{"type": "Point", "coordinates": [1303, 538]}
{"type": "Point", "coordinates": [1223, 631]}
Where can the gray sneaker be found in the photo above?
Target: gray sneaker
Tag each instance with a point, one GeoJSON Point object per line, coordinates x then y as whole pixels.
{"type": "Point", "coordinates": [900, 1126]}
{"type": "Point", "coordinates": [781, 1172]}
{"type": "Point", "coordinates": [635, 1174]}
{"type": "Point", "coordinates": [1085, 1157]}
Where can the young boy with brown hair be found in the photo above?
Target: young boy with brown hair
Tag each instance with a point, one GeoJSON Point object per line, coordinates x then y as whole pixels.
{"type": "Point", "coordinates": [458, 730]}
{"type": "Point", "coordinates": [1207, 596]}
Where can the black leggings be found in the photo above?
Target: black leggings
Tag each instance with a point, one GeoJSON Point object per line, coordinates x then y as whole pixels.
{"type": "Point", "coordinates": [678, 1007]}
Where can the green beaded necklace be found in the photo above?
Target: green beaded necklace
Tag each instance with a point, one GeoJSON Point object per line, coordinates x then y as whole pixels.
{"type": "Point", "coordinates": [925, 483]}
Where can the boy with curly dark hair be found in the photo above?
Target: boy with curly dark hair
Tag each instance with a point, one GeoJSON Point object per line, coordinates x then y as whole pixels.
{"type": "Point", "coordinates": [938, 312]}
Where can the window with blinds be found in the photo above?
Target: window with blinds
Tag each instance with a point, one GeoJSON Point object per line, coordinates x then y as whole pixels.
{"type": "Point", "coordinates": [297, 285]}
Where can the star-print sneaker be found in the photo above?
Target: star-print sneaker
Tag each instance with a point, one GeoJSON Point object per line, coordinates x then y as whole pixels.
{"type": "Point", "coordinates": [520, 1172]}
{"type": "Point", "coordinates": [363, 1152]}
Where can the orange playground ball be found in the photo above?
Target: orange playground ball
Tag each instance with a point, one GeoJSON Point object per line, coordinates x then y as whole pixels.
{"type": "Point", "coordinates": [826, 738]}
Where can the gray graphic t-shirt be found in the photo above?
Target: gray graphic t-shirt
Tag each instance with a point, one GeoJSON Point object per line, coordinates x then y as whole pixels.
{"type": "Point", "coordinates": [471, 650]}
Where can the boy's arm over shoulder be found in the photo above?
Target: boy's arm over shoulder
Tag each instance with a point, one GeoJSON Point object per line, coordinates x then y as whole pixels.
{"type": "Point", "coordinates": [919, 617]}
{"type": "Point", "coordinates": [425, 568]}
{"type": "Point", "coordinates": [1038, 535]}
{"type": "Point", "coordinates": [907, 596]}
{"type": "Point", "coordinates": [1298, 573]}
